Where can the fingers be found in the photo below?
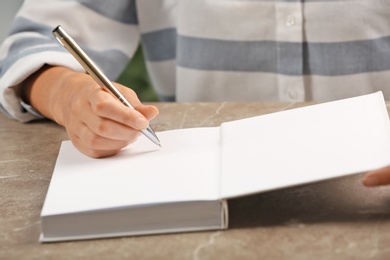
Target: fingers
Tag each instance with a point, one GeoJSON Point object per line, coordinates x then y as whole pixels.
{"type": "Point", "coordinates": [92, 152]}
{"type": "Point", "coordinates": [118, 137]}
{"type": "Point", "coordinates": [377, 178]}
{"type": "Point", "coordinates": [148, 111]}
{"type": "Point", "coordinates": [99, 125]}
{"type": "Point", "coordinates": [106, 106]}
{"type": "Point", "coordinates": [98, 137]}
{"type": "Point", "coordinates": [96, 146]}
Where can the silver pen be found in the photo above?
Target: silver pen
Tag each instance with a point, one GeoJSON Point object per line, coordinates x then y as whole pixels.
{"type": "Point", "coordinates": [97, 74]}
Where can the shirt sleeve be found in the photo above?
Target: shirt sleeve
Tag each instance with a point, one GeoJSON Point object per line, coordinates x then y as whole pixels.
{"type": "Point", "coordinates": [106, 30]}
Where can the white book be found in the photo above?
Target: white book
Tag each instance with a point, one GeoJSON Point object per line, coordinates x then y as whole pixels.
{"type": "Point", "coordinates": [185, 185]}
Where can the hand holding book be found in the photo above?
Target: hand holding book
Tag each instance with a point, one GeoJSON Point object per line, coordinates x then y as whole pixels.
{"type": "Point", "coordinates": [377, 177]}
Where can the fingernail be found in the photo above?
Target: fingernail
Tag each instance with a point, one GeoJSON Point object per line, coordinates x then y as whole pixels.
{"type": "Point", "coordinates": [371, 181]}
{"type": "Point", "coordinates": [141, 123]}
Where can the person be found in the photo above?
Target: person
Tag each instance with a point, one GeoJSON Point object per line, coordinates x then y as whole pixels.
{"type": "Point", "coordinates": [221, 50]}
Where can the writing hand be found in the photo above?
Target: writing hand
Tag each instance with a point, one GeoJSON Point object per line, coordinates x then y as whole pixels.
{"type": "Point", "coordinates": [97, 123]}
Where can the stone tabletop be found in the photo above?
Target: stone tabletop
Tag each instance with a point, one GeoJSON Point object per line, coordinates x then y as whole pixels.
{"type": "Point", "coordinates": [336, 219]}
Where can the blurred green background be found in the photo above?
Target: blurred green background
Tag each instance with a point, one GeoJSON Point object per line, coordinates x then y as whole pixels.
{"type": "Point", "coordinates": [136, 77]}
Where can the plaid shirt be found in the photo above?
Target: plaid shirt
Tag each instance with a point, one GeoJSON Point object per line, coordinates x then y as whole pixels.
{"type": "Point", "coordinates": [212, 50]}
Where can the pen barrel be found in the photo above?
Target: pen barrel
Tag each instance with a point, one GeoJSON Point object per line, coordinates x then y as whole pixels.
{"type": "Point", "coordinates": [90, 67]}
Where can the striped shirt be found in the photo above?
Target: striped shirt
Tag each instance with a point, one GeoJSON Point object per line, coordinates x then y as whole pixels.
{"type": "Point", "coordinates": [211, 50]}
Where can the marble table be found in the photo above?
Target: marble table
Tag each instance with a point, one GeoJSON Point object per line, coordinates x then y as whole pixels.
{"type": "Point", "coordinates": [336, 219]}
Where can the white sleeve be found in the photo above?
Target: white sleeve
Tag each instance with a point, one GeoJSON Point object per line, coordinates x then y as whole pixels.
{"type": "Point", "coordinates": [108, 33]}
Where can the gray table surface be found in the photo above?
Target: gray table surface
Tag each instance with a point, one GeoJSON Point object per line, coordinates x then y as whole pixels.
{"type": "Point", "coordinates": [336, 219]}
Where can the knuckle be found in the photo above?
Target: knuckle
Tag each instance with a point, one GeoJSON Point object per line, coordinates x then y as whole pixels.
{"type": "Point", "coordinates": [75, 106]}
{"type": "Point", "coordinates": [101, 106]}
{"type": "Point", "coordinates": [92, 140]}
{"type": "Point", "coordinates": [101, 101]}
{"type": "Point", "coordinates": [127, 117]}
{"type": "Point", "coordinates": [102, 128]}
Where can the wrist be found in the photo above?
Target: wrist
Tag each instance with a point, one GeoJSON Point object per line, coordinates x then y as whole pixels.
{"type": "Point", "coordinates": [60, 93]}
{"type": "Point", "coordinates": [46, 90]}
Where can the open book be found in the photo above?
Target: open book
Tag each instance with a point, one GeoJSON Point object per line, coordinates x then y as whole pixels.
{"type": "Point", "coordinates": [184, 186]}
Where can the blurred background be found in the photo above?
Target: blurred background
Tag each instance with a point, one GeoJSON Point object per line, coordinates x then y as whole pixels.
{"type": "Point", "coordinates": [7, 12]}
{"type": "Point", "coordinates": [134, 76]}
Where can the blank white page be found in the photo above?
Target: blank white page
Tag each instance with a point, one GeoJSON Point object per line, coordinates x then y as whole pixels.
{"type": "Point", "coordinates": [304, 145]}
{"type": "Point", "coordinates": [185, 169]}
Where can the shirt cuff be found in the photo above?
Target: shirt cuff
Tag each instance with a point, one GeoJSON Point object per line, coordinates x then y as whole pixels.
{"type": "Point", "coordinates": [31, 110]}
